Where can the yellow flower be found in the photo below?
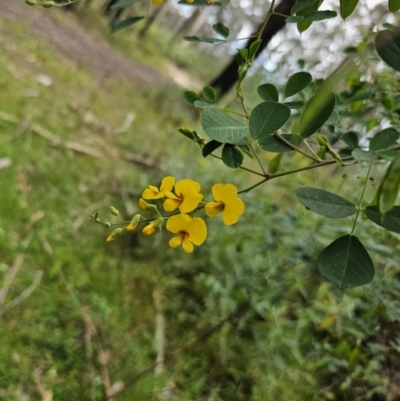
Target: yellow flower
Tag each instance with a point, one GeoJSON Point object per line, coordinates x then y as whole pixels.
{"type": "Point", "coordinates": [142, 204]}
{"type": "Point", "coordinates": [153, 192]}
{"type": "Point", "coordinates": [152, 227]}
{"type": "Point", "coordinates": [190, 231]}
{"type": "Point", "coordinates": [134, 222]}
{"type": "Point", "coordinates": [114, 234]}
{"type": "Point", "coordinates": [157, 2]}
{"type": "Point", "coordinates": [227, 202]}
{"type": "Point", "coordinates": [187, 196]}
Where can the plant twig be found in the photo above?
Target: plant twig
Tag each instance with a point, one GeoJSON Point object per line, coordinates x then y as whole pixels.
{"type": "Point", "coordinates": [10, 277]}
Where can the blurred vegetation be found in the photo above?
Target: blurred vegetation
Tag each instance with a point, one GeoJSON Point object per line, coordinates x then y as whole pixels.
{"type": "Point", "coordinates": [247, 317]}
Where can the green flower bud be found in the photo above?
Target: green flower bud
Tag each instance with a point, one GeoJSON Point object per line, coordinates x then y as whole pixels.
{"type": "Point", "coordinates": [151, 208]}
{"type": "Point", "coordinates": [134, 222]}
{"type": "Point", "coordinates": [114, 234]}
{"type": "Point", "coordinates": [114, 211]}
{"type": "Point", "coordinates": [31, 2]}
{"type": "Point", "coordinates": [48, 4]}
{"type": "Point", "coordinates": [157, 222]}
{"type": "Point", "coordinates": [107, 224]}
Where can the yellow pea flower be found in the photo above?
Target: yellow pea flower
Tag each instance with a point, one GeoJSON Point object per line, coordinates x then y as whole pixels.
{"type": "Point", "coordinates": [226, 203]}
{"type": "Point", "coordinates": [152, 192]}
{"type": "Point", "coordinates": [114, 234]}
{"type": "Point", "coordinates": [152, 227]}
{"type": "Point", "coordinates": [157, 2]}
{"type": "Point", "coordinates": [187, 196]}
{"type": "Point", "coordinates": [134, 222]}
{"type": "Point", "coordinates": [190, 231]}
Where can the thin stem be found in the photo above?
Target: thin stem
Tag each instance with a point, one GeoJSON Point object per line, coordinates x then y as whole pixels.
{"type": "Point", "coordinates": [255, 154]}
{"type": "Point", "coordinates": [233, 112]}
{"type": "Point", "coordinates": [359, 208]}
{"type": "Point", "coordinates": [241, 98]}
{"type": "Point", "coordinates": [264, 24]}
{"type": "Point", "coordinates": [244, 191]}
{"type": "Point", "coordinates": [316, 159]}
{"type": "Point", "coordinates": [310, 149]}
{"type": "Point", "coordinates": [281, 15]}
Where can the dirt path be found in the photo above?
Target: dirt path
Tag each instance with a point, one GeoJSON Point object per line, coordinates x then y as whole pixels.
{"type": "Point", "coordinates": [70, 38]}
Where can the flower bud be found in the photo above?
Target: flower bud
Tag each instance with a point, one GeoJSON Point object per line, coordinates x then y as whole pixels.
{"type": "Point", "coordinates": [134, 222]}
{"type": "Point", "coordinates": [48, 4]}
{"type": "Point", "coordinates": [31, 2]}
{"type": "Point", "coordinates": [152, 227]}
{"type": "Point", "coordinates": [107, 224]}
{"type": "Point", "coordinates": [114, 234]}
{"type": "Point", "coordinates": [114, 211]}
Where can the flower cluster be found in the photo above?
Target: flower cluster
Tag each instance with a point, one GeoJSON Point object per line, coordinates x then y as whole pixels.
{"type": "Point", "coordinates": [180, 199]}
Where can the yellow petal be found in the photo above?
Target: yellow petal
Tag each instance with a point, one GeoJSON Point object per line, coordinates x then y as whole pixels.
{"type": "Point", "coordinates": [186, 186]}
{"type": "Point", "coordinates": [150, 193]}
{"type": "Point", "coordinates": [170, 195]}
{"type": "Point", "coordinates": [142, 204]}
{"type": "Point", "coordinates": [131, 227]}
{"type": "Point", "coordinates": [168, 182]}
{"type": "Point", "coordinates": [187, 245]}
{"type": "Point", "coordinates": [213, 208]}
{"type": "Point", "coordinates": [190, 202]}
{"type": "Point", "coordinates": [224, 193]}
{"type": "Point", "coordinates": [197, 231]}
{"type": "Point", "coordinates": [149, 229]}
{"type": "Point", "coordinates": [157, 2]}
{"type": "Point", "coordinates": [110, 238]}
{"type": "Point", "coordinates": [178, 223]}
{"type": "Point", "coordinates": [174, 242]}
{"type": "Point", "coordinates": [171, 204]}
{"type": "Point", "coordinates": [232, 211]}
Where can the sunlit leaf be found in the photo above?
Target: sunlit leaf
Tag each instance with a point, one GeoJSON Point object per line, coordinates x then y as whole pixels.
{"type": "Point", "coordinates": [325, 203]}
{"type": "Point", "coordinates": [346, 263]}
{"type": "Point", "coordinates": [302, 5]}
{"type": "Point", "coordinates": [222, 127]}
{"type": "Point", "coordinates": [126, 23]}
{"type": "Point", "coordinates": [296, 83]}
{"type": "Point", "coordinates": [271, 143]}
{"type": "Point", "coordinates": [266, 118]}
{"type": "Point", "coordinates": [317, 111]}
{"type": "Point", "coordinates": [232, 156]}
{"type": "Point", "coordinates": [268, 92]}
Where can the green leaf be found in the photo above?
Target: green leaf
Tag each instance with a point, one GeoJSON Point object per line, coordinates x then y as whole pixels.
{"type": "Point", "coordinates": [294, 18]}
{"type": "Point", "coordinates": [297, 104]}
{"type": "Point", "coordinates": [123, 4]}
{"type": "Point", "coordinates": [390, 220]}
{"type": "Point", "coordinates": [254, 48]}
{"type": "Point", "coordinates": [320, 15]}
{"type": "Point", "coordinates": [388, 190]}
{"type": "Point", "coordinates": [243, 54]}
{"type": "Point", "coordinates": [388, 154]}
{"type": "Point", "coordinates": [304, 25]}
{"type": "Point", "coordinates": [124, 24]}
{"type": "Point", "coordinates": [362, 156]}
{"type": "Point", "coordinates": [325, 203]}
{"type": "Point", "coordinates": [190, 97]}
{"type": "Point", "coordinates": [346, 263]}
{"type": "Point", "coordinates": [203, 39]}
{"type": "Point", "coordinates": [296, 83]}
{"type": "Point", "coordinates": [350, 139]}
{"type": "Point", "coordinates": [383, 139]}
{"type": "Point", "coordinates": [209, 147]}
{"type": "Point", "coordinates": [302, 5]}
{"type": "Point", "coordinates": [394, 5]}
{"type": "Point", "coordinates": [333, 118]}
{"type": "Point", "coordinates": [266, 118]}
{"type": "Point", "coordinates": [273, 165]}
{"type": "Point", "coordinates": [317, 111]}
{"type": "Point", "coordinates": [268, 92]}
{"type": "Point", "coordinates": [271, 143]}
{"type": "Point", "coordinates": [387, 44]}
{"type": "Point", "coordinates": [347, 7]}
{"type": "Point", "coordinates": [202, 105]}
{"type": "Point", "coordinates": [232, 156]}
{"type": "Point", "coordinates": [222, 127]}
{"type": "Point", "coordinates": [221, 29]}
{"type": "Point", "coordinates": [209, 94]}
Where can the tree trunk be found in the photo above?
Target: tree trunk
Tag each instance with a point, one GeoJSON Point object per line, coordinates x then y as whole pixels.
{"type": "Point", "coordinates": [227, 78]}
